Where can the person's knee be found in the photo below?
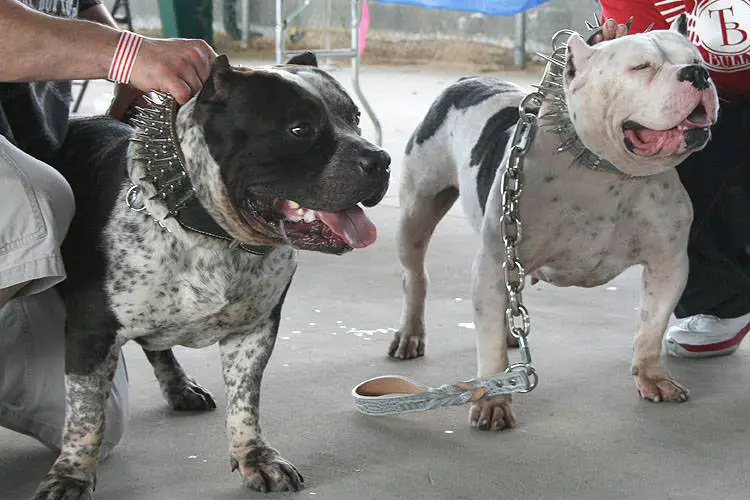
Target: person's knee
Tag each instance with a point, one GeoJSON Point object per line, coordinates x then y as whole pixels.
{"type": "Point", "coordinates": [56, 200]}
{"type": "Point", "coordinates": [37, 194]}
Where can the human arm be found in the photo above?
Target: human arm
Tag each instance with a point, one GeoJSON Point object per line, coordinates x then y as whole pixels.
{"type": "Point", "coordinates": [124, 95]}
{"type": "Point", "coordinates": [37, 46]}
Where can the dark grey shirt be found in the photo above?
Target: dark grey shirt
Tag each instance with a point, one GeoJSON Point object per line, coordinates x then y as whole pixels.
{"type": "Point", "coordinates": [34, 116]}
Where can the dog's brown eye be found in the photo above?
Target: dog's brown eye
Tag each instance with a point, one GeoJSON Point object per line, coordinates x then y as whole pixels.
{"type": "Point", "coordinates": [301, 130]}
{"type": "Point", "coordinates": [641, 66]}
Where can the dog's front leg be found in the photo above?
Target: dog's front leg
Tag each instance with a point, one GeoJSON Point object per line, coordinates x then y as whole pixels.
{"type": "Point", "coordinates": [181, 391]}
{"type": "Point", "coordinates": [87, 386]}
{"type": "Point", "coordinates": [488, 296]}
{"type": "Point", "coordinates": [663, 283]}
{"type": "Point", "coordinates": [244, 357]}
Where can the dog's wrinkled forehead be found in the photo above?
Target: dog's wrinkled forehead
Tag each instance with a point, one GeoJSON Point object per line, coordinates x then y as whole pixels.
{"type": "Point", "coordinates": [320, 84]}
{"type": "Point", "coordinates": [655, 48]}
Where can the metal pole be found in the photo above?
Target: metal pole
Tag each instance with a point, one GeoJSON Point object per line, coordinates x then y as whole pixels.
{"type": "Point", "coordinates": [245, 23]}
{"type": "Point", "coordinates": [520, 52]}
{"type": "Point", "coordinates": [279, 31]}
{"type": "Point", "coordinates": [356, 11]}
{"type": "Point", "coordinates": [329, 9]}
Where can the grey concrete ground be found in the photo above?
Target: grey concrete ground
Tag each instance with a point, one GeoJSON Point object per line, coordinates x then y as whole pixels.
{"type": "Point", "coordinates": [582, 434]}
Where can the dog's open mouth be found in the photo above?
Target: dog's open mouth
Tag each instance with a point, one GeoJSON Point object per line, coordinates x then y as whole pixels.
{"type": "Point", "coordinates": [317, 230]}
{"type": "Point", "coordinates": [694, 131]}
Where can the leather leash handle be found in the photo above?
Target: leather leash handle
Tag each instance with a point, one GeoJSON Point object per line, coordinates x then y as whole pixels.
{"type": "Point", "coordinates": [394, 394]}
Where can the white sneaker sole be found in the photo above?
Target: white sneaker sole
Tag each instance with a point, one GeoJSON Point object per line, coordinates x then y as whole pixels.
{"type": "Point", "coordinates": [723, 348]}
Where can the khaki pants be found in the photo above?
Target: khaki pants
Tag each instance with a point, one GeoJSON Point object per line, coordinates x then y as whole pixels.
{"type": "Point", "coordinates": [36, 207]}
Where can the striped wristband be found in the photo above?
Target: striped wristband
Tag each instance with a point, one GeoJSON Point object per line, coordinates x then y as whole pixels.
{"type": "Point", "coordinates": [124, 58]}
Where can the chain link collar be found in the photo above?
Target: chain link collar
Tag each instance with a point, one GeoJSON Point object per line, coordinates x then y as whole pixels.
{"type": "Point", "coordinates": [156, 148]}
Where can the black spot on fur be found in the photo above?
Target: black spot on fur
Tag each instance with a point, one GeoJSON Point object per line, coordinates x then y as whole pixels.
{"type": "Point", "coordinates": [682, 25]}
{"type": "Point", "coordinates": [570, 69]}
{"type": "Point", "coordinates": [467, 92]}
{"type": "Point", "coordinates": [410, 143]}
{"type": "Point", "coordinates": [489, 149]}
{"type": "Point", "coordinates": [93, 163]}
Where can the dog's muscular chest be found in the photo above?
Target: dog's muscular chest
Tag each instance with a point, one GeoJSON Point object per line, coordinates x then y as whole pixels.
{"type": "Point", "coordinates": [593, 229]}
{"type": "Point", "coordinates": [166, 294]}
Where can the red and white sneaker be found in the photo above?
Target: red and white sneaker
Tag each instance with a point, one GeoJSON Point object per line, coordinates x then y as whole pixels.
{"type": "Point", "coordinates": [703, 336]}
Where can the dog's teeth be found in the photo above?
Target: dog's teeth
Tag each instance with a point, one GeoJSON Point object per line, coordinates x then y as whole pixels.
{"type": "Point", "coordinates": [309, 216]}
{"type": "Point", "coordinates": [300, 212]}
{"type": "Point", "coordinates": [292, 204]}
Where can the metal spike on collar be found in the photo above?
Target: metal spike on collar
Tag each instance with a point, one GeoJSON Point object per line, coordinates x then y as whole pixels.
{"type": "Point", "coordinates": [157, 150]}
{"type": "Point", "coordinates": [550, 59]}
{"type": "Point", "coordinates": [597, 23]}
{"type": "Point", "coordinates": [552, 90]}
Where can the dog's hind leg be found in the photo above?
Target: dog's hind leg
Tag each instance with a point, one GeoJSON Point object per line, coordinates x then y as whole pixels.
{"type": "Point", "coordinates": [244, 356]}
{"type": "Point", "coordinates": [662, 286]}
{"type": "Point", "coordinates": [181, 391]}
{"type": "Point", "coordinates": [91, 359]}
{"type": "Point", "coordinates": [425, 197]}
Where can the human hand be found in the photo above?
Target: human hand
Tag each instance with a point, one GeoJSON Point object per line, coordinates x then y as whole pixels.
{"type": "Point", "coordinates": [176, 66]}
{"type": "Point", "coordinates": [610, 30]}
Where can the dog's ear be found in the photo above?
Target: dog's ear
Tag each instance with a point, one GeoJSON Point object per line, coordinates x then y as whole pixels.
{"type": "Point", "coordinates": [578, 52]}
{"type": "Point", "coordinates": [306, 58]}
{"type": "Point", "coordinates": [216, 86]}
{"type": "Point", "coordinates": [680, 25]}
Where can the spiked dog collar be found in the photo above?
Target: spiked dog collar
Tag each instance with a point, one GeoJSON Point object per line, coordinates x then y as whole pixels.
{"type": "Point", "coordinates": [157, 150]}
{"type": "Point", "coordinates": [557, 117]}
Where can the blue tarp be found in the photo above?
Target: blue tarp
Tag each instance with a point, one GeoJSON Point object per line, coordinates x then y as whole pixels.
{"type": "Point", "coordinates": [489, 7]}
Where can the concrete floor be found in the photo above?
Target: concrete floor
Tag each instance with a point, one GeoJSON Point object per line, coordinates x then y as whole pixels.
{"type": "Point", "coordinates": [582, 434]}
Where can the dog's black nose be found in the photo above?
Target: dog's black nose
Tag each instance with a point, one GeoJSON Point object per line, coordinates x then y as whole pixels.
{"type": "Point", "coordinates": [695, 74]}
{"type": "Point", "coordinates": [375, 161]}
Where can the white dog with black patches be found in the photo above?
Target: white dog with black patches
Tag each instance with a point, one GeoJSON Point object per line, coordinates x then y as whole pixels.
{"type": "Point", "coordinates": [639, 105]}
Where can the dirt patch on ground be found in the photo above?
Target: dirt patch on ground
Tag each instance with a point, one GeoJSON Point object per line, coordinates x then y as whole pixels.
{"type": "Point", "coordinates": [383, 49]}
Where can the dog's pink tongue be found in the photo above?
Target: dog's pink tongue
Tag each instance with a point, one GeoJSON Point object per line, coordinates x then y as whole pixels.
{"type": "Point", "coordinates": [351, 225]}
{"type": "Point", "coordinates": [648, 142]}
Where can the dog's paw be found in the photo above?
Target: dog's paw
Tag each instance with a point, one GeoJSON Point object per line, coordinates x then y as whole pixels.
{"type": "Point", "coordinates": [407, 345]}
{"type": "Point", "coordinates": [58, 487]}
{"type": "Point", "coordinates": [493, 414]}
{"type": "Point", "coordinates": [264, 470]}
{"type": "Point", "coordinates": [662, 388]}
{"type": "Point", "coordinates": [189, 396]}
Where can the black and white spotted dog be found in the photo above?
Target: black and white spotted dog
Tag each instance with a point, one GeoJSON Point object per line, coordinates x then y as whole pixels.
{"type": "Point", "coordinates": [629, 111]}
{"type": "Point", "coordinates": [275, 163]}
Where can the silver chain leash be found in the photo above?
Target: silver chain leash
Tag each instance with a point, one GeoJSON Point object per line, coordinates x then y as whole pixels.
{"type": "Point", "coordinates": [511, 184]}
{"type": "Point", "coordinates": [394, 395]}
